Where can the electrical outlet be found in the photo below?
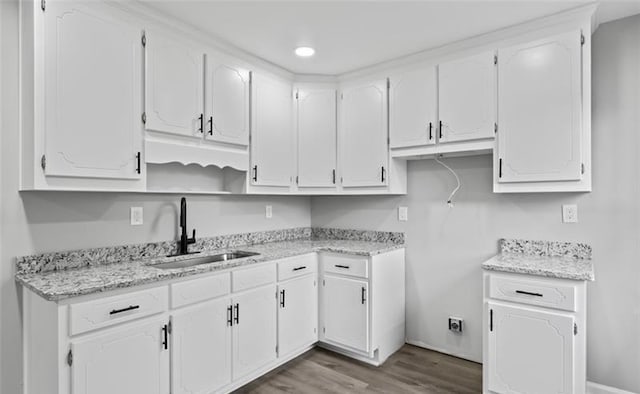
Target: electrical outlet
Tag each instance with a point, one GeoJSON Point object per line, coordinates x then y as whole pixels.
{"type": "Point", "coordinates": [268, 211]}
{"type": "Point", "coordinates": [403, 214]}
{"type": "Point", "coordinates": [570, 213]}
{"type": "Point", "coordinates": [455, 324]}
{"type": "Point", "coordinates": [136, 216]}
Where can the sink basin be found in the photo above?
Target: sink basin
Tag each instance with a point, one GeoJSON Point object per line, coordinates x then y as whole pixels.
{"type": "Point", "coordinates": [238, 254]}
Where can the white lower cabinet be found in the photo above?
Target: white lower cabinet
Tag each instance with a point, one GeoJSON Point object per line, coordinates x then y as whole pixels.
{"type": "Point", "coordinates": [201, 347]}
{"type": "Point", "coordinates": [129, 359]}
{"type": "Point", "coordinates": [346, 314]}
{"type": "Point", "coordinates": [362, 304]}
{"type": "Point", "coordinates": [297, 314]}
{"type": "Point", "coordinates": [212, 333]}
{"type": "Point", "coordinates": [533, 344]}
{"type": "Point", "coordinates": [254, 330]}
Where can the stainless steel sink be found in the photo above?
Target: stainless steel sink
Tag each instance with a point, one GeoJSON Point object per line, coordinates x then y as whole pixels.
{"type": "Point", "coordinates": [237, 254]}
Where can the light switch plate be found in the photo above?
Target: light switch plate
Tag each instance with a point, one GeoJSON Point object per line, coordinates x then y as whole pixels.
{"type": "Point", "coordinates": [136, 216]}
{"type": "Point", "coordinates": [268, 211]}
{"type": "Point", "coordinates": [570, 213]}
{"type": "Point", "coordinates": [403, 214]}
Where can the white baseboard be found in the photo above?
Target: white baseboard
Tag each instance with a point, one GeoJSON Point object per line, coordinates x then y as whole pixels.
{"type": "Point", "coordinates": [435, 349]}
{"type": "Point", "coordinates": [595, 388]}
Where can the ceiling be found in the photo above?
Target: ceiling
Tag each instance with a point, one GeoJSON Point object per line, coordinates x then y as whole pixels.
{"type": "Point", "coordinates": [349, 35]}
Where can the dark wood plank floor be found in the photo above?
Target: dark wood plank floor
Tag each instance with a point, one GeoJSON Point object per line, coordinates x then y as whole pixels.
{"type": "Point", "coordinates": [410, 370]}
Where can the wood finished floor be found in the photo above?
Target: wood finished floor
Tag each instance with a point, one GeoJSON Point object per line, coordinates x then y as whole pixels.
{"type": "Point", "coordinates": [410, 370]}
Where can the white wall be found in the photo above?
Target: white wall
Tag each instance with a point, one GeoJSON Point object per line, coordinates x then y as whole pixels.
{"type": "Point", "coordinates": [50, 221]}
{"type": "Point", "coordinates": [446, 246]}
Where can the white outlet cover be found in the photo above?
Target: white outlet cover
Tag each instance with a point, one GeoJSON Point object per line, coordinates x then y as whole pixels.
{"type": "Point", "coordinates": [268, 211]}
{"type": "Point", "coordinates": [570, 213]}
{"type": "Point", "coordinates": [403, 214]}
{"type": "Point", "coordinates": [136, 216]}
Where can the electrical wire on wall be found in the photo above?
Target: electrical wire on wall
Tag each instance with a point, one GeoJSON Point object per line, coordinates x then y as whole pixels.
{"type": "Point", "coordinates": [453, 193]}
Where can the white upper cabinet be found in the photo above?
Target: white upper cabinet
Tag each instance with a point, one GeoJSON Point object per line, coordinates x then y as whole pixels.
{"type": "Point", "coordinates": [227, 101]}
{"type": "Point", "coordinates": [130, 359]}
{"type": "Point", "coordinates": [530, 350]}
{"type": "Point", "coordinates": [174, 85]}
{"type": "Point", "coordinates": [364, 134]}
{"type": "Point", "coordinates": [92, 93]}
{"type": "Point", "coordinates": [467, 98]}
{"type": "Point", "coordinates": [316, 122]}
{"type": "Point", "coordinates": [413, 118]}
{"type": "Point", "coordinates": [201, 351]}
{"type": "Point", "coordinates": [540, 117]}
{"type": "Point", "coordinates": [272, 148]}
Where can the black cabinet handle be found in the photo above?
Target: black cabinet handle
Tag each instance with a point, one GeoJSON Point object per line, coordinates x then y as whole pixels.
{"type": "Point", "coordinates": [500, 169]}
{"type": "Point", "coordinates": [201, 118]}
{"type": "Point", "coordinates": [236, 319]}
{"type": "Point", "coordinates": [342, 266]}
{"type": "Point", "coordinates": [529, 293]}
{"type": "Point", "coordinates": [165, 337]}
{"type": "Point", "coordinates": [430, 131]}
{"type": "Point", "coordinates": [300, 268]}
{"type": "Point", "coordinates": [490, 319]}
{"type": "Point", "coordinates": [138, 162]}
{"type": "Point", "coordinates": [282, 298]}
{"type": "Point", "coordinates": [364, 291]}
{"type": "Point", "coordinates": [440, 129]}
{"type": "Point", "coordinates": [230, 315]}
{"type": "Point", "coordinates": [129, 308]}
{"type": "Point", "coordinates": [210, 125]}
{"type": "Point", "coordinates": [255, 173]}
{"type": "Point", "coordinates": [382, 176]}
{"type": "Point", "coordinates": [334, 176]}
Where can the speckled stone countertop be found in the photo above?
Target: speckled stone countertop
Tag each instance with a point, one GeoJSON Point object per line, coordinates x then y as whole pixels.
{"type": "Point", "coordinates": [78, 279]}
{"type": "Point", "coordinates": [562, 260]}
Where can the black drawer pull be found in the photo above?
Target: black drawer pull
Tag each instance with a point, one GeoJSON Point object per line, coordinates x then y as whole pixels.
{"type": "Point", "coordinates": [165, 337]}
{"type": "Point", "coordinates": [236, 319]}
{"type": "Point", "coordinates": [342, 266]}
{"type": "Point", "coordinates": [364, 299]}
{"type": "Point", "coordinates": [282, 298]}
{"type": "Point", "coordinates": [529, 293]}
{"type": "Point", "coordinates": [129, 308]}
{"type": "Point", "coordinates": [300, 268]}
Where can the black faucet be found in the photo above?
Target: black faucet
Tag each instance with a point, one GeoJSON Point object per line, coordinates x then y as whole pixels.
{"type": "Point", "coordinates": [184, 240]}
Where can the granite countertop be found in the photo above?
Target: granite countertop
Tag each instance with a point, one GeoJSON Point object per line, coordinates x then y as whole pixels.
{"type": "Point", "coordinates": [543, 258]}
{"type": "Point", "coordinates": [55, 285]}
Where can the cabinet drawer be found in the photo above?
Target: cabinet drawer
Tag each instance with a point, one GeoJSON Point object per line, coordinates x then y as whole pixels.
{"type": "Point", "coordinates": [253, 277]}
{"type": "Point", "coordinates": [346, 265]}
{"type": "Point", "coordinates": [191, 291]}
{"type": "Point", "coordinates": [90, 315]}
{"type": "Point", "coordinates": [297, 266]}
{"type": "Point", "coordinates": [533, 292]}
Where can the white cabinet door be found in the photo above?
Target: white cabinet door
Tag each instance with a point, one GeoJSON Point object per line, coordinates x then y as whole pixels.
{"type": "Point", "coordinates": [130, 359]}
{"type": "Point", "coordinates": [271, 132]}
{"type": "Point", "coordinates": [530, 351]}
{"type": "Point", "coordinates": [316, 137]}
{"type": "Point", "coordinates": [363, 135]}
{"type": "Point", "coordinates": [413, 118]}
{"type": "Point", "coordinates": [467, 98]}
{"type": "Point", "coordinates": [297, 314]}
{"type": "Point", "coordinates": [254, 330]}
{"type": "Point", "coordinates": [346, 312]}
{"type": "Point", "coordinates": [93, 89]}
{"type": "Point", "coordinates": [540, 115]}
{"type": "Point", "coordinates": [174, 84]}
{"type": "Point", "coordinates": [201, 351]}
{"type": "Point", "coordinates": [227, 92]}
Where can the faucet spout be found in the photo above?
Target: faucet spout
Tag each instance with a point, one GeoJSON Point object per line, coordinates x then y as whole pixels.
{"type": "Point", "coordinates": [185, 241]}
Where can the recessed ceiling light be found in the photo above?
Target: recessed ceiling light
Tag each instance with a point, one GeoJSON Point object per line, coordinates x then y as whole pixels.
{"type": "Point", "coordinates": [305, 51]}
